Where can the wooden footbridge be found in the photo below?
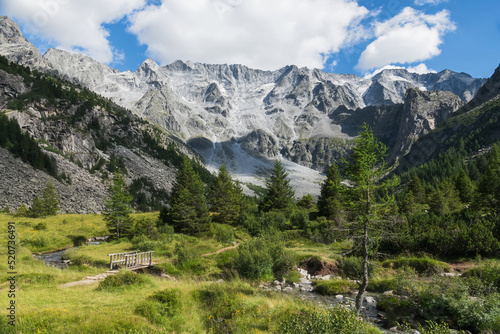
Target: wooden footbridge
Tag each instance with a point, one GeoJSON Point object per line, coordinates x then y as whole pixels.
{"type": "Point", "coordinates": [131, 260]}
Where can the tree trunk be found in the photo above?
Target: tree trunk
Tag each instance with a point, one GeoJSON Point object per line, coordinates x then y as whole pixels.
{"type": "Point", "coordinates": [364, 283]}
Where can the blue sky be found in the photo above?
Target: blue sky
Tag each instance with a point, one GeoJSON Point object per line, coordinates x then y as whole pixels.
{"type": "Point", "coordinates": [342, 36]}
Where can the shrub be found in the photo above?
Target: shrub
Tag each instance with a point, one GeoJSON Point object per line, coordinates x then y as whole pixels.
{"type": "Point", "coordinates": [40, 226]}
{"type": "Point", "coordinates": [316, 320]}
{"type": "Point", "coordinates": [223, 233]}
{"type": "Point", "coordinates": [123, 278]}
{"type": "Point", "coordinates": [488, 272]}
{"type": "Point", "coordinates": [352, 267]}
{"type": "Point", "coordinates": [334, 287]}
{"type": "Point", "coordinates": [263, 258]}
{"type": "Point", "coordinates": [421, 265]}
{"type": "Point", "coordinates": [159, 305]}
{"type": "Point", "coordinates": [381, 285]}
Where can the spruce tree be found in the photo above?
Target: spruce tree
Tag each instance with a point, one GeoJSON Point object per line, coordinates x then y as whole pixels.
{"type": "Point", "coordinates": [37, 209]}
{"type": "Point", "coordinates": [280, 195]}
{"type": "Point", "coordinates": [225, 198]}
{"type": "Point", "coordinates": [117, 211]}
{"type": "Point", "coordinates": [189, 210]}
{"type": "Point", "coordinates": [464, 186]}
{"type": "Point", "coordinates": [50, 200]}
{"type": "Point", "coordinates": [330, 199]}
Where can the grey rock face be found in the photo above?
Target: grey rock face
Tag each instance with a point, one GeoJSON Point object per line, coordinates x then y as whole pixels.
{"type": "Point", "coordinates": [15, 47]}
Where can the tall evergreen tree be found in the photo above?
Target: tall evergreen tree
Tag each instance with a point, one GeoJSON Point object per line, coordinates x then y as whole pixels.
{"type": "Point", "coordinates": [365, 171]}
{"type": "Point", "coordinates": [189, 212]}
{"type": "Point", "coordinates": [330, 199]}
{"type": "Point", "coordinates": [488, 192]}
{"type": "Point", "coordinates": [50, 200]}
{"type": "Point", "coordinates": [117, 211]}
{"type": "Point", "coordinates": [225, 198]}
{"type": "Point", "coordinates": [280, 195]}
{"type": "Point", "coordinates": [464, 186]}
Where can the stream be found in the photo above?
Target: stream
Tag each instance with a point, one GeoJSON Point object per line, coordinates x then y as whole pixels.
{"type": "Point", "coordinates": [54, 259]}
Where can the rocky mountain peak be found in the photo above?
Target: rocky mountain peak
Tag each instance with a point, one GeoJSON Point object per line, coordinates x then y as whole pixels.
{"type": "Point", "coordinates": [15, 47]}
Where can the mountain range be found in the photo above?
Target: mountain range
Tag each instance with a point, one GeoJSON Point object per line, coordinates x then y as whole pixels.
{"type": "Point", "coordinates": [245, 118]}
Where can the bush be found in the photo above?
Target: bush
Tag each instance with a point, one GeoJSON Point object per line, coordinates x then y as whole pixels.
{"type": "Point", "coordinates": [488, 272]}
{"type": "Point", "coordinates": [263, 258]}
{"type": "Point", "coordinates": [334, 287]}
{"type": "Point", "coordinates": [159, 305]}
{"type": "Point", "coordinates": [352, 267]}
{"type": "Point", "coordinates": [421, 265]}
{"type": "Point", "coordinates": [40, 226]}
{"type": "Point", "coordinates": [316, 321]}
{"type": "Point", "coordinates": [223, 233]}
{"type": "Point", "coordinates": [381, 285]}
{"type": "Point", "coordinates": [123, 278]}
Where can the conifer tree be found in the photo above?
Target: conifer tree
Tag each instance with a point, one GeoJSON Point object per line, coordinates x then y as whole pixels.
{"type": "Point", "coordinates": [464, 186]}
{"type": "Point", "coordinates": [488, 192]}
{"type": "Point", "coordinates": [330, 199]}
{"type": "Point", "coordinates": [117, 211]}
{"type": "Point", "coordinates": [225, 198]}
{"type": "Point", "coordinates": [37, 208]}
{"type": "Point", "coordinates": [189, 212]}
{"type": "Point", "coordinates": [280, 195]}
{"type": "Point", "coordinates": [365, 171]}
{"type": "Point", "coordinates": [50, 200]}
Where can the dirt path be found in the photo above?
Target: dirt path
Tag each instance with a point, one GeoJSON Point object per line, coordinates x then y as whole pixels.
{"type": "Point", "coordinates": [461, 267]}
{"type": "Point", "coordinates": [235, 244]}
{"type": "Point", "coordinates": [89, 279]}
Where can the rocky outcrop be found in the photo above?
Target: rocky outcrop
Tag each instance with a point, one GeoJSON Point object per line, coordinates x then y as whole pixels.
{"type": "Point", "coordinates": [20, 184]}
{"type": "Point", "coordinates": [10, 86]}
{"type": "Point", "coordinates": [422, 112]}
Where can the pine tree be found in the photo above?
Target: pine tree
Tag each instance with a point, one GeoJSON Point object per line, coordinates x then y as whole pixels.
{"type": "Point", "coordinates": [189, 212]}
{"type": "Point", "coordinates": [417, 189]}
{"type": "Point", "coordinates": [225, 198]}
{"type": "Point", "coordinates": [50, 200]}
{"type": "Point", "coordinates": [488, 192]}
{"type": "Point", "coordinates": [365, 172]}
{"type": "Point", "coordinates": [280, 195]}
{"type": "Point", "coordinates": [464, 186]}
{"type": "Point", "coordinates": [330, 199]}
{"type": "Point", "coordinates": [37, 209]}
{"type": "Point", "coordinates": [117, 211]}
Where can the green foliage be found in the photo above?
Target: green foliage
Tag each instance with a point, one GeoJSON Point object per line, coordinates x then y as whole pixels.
{"type": "Point", "coordinates": [420, 265]}
{"type": "Point", "coordinates": [160, 305]}
{"type": "Point", "coordinates": [331, 196]}
{"type": "Point", "coordinates": [123, 278]}
{"type": "Point", "coordinates": [334, 287]}
{"type": "Point", "coordinates": [225, 198]}
{"type": "Point", "coordinates": [22, 211]}
{"type": "Point", "coordinates": [352, 267]}
{"type": "Point", "coordinates": [189, 213]}
{"type": "Point", "coordinates": [146, 197]}
{"type": "Point", "coordinates": [117, 211]}
{"type": "Point", "coordinates": [280, 195]}
{"type": "Point", "coordinates": [319, 321]}
{"type": "Point", "coordinates": [40, 226]}
{"type": "Point", "coordinates": [263, 257]}
{"type": "Point", "coordinates": [306, 202]}
{"type": "Point", "coordinates": [223, 233]}
{"type": "Point", "coordinates": [488, 272]}
{"type": "Point", "coordinates": [265, 223]}
{"type": "Point", "coordinates": [22, 145]}
{"type": "Point", "coordinates": [462, 233]}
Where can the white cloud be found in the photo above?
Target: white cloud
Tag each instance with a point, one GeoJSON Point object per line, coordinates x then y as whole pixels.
{"type": "Point", "coordinates": [73, 25]}
{"type": "Point", "coordinates": [420, 69]}
{"type": "Point", "coordinates": [258, 33]}
{"type": "Point", "coordinates": [429, 2]}
{"type": "Point", "coordinates": [409, 37]}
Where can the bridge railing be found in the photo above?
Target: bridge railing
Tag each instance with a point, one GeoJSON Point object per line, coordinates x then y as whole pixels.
{"type": "Point", "coordinates": [131, 260]}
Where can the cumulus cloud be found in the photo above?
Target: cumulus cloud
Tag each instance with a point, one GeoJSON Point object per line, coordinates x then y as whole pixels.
{"type": "Point", "coordinates": [73, 25]}
{"type": "Point", "coordinates": [411, 36]}
{"type": "Point", "coordinates": [258, 33]}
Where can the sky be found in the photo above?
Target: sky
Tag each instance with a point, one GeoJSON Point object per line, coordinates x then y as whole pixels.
{"type": "Point", "coordinates": [341, 36]}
